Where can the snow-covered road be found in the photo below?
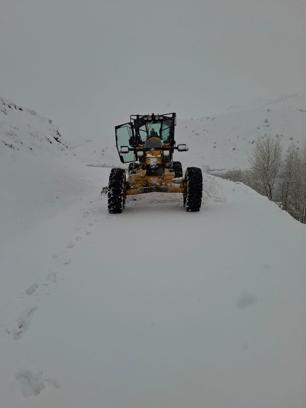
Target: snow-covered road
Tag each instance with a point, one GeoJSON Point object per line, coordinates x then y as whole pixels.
{"type": "Point", "coordinates": [155, 307]}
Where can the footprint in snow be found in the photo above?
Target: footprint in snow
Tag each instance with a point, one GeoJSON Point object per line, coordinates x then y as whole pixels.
{"type": "Point", "coordinates": [51, 277]}
{"type": "Point", "coordinates": [246, 299]}
{"type": "Point", "coordinates": [23, 323]}
{"type": "Point", "coordinates": [32, 289]}
{"type": "Point", "coordinates": [78, 238]}
{"type": "Point", "coordinates": [66, 261]}
{"type": "Point", "coordinates": [58, 255]}
{"type": "Point", "coordinates": [32, 384]}
{"type": "Point", "coordinates": [267, 266]}
{"type": "Point", "coordinates": [70, 245]}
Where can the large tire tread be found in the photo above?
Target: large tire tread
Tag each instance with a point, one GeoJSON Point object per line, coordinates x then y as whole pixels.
{"type": "Point", "coordinates": [193, 189]}
{"type": "Point", "coordinates": [116, 191]}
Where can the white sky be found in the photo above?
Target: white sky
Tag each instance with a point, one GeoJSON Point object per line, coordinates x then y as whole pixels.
{"type": "Point", "coordinates": [89, 64]}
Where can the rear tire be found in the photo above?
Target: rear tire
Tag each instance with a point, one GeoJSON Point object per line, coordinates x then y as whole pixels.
{"type": "Point", "coordinates": [116, 191]}
{"type": "Point", "coordinates": [178, 170]}
{"type": "Point", "coordinates": [193, 189]}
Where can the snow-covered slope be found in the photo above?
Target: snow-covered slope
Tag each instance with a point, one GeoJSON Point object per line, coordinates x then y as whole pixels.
{"type": "Point", "coordinates": [37, 175]}
{"type": "Point", "coordinates": [22, 129]}
{"type": "Point", "coordinates": [155, 307]}
{"type": "Point", "coordinates": [225, 141]}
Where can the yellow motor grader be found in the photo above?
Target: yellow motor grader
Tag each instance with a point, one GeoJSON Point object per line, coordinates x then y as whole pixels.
{"type": "Point", "coordinates": [147, 144]}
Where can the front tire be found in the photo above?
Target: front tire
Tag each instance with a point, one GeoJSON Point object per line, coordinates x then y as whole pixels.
{"type": "Point", "coordinates": [193, 189]}
{"type": "Point", "coordinates": [116, 191]}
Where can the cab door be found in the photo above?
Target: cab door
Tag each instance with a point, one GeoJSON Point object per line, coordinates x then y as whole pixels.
{"type": "Point", "coordinates": [124, 133]}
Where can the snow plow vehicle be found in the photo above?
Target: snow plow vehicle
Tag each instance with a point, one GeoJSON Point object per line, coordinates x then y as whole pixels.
{"type": "Point", "coordinates": [147, 144]}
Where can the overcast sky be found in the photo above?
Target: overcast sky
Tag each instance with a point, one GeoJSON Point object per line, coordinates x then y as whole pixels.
{"type": "Point", "coordinates": [89, 64]}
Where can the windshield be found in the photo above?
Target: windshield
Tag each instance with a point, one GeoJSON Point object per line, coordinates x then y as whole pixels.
{"type": "Point", "coordinates": [155, 128]}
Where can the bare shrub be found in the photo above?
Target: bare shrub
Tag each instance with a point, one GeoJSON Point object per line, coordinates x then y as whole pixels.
{"type": "Point", "coordinates": [265, 164]}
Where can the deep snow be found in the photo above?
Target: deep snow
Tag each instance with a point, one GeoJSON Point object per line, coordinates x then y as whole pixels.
{"type": "Point", "coordinates": [153, 307]}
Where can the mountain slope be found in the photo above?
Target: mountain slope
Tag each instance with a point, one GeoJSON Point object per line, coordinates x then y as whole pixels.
{"type": "Point", "coordinates": [225, 141]}
{"type": "Point", "coordinates": [22, 129]}
{"type": "Point", "coordinates": [37, 171]}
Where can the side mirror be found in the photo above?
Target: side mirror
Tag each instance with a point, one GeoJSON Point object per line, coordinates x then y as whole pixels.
{"type": "Point", "coordinates": [124, 149]}
{"type": "Point", "coordinates": [182, 147]}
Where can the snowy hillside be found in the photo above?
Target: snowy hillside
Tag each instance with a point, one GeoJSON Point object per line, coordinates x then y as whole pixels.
{"type": "Point", "coordinates": [225, 141]}
{"type": "Point", "coordinates": [22, 129]}
{"type": "Point", "coordinates": [154, 307]}
{"type": "Point", "coordinates": [36, 176]}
